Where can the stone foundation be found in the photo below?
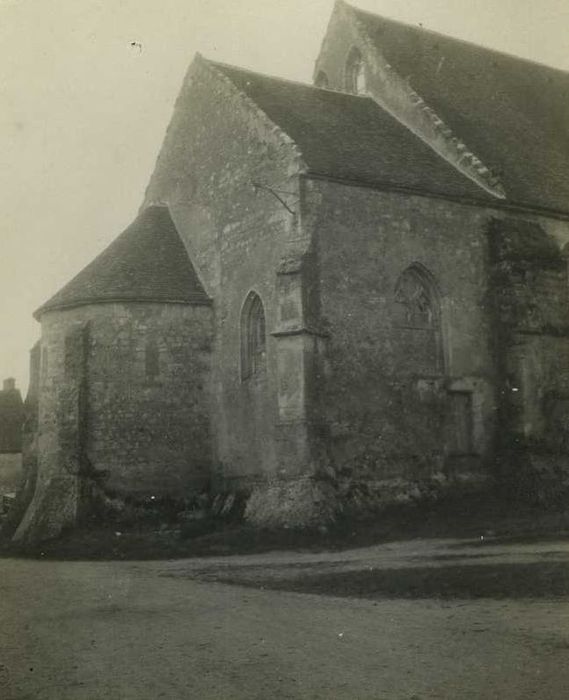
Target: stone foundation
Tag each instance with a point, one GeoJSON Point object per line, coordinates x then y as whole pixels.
{"type": "Point", "coordinates": [299, 504]}
{"type": "Point", "coordinates": [54, 507]}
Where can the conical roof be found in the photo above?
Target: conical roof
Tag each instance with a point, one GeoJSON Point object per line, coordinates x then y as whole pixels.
{"type": "Point", "coordinates": [147, 262]}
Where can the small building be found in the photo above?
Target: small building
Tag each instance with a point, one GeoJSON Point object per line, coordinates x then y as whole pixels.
{"type": "Point", "coordinates": [11, 423]}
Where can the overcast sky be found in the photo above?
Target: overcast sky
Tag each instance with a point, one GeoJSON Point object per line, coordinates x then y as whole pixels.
{"type": "Point", "coordinates": [83, 111]}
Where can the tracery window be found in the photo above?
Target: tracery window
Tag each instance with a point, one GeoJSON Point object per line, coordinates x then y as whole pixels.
{"type": "Point", "coordinates": [414, 300]}
{"type": "Point", "coordinates": [417, 321]}
{"type": "Point", "coordinates": [355, 73]}
{"type": "Point", "coordinates": [253, 337]}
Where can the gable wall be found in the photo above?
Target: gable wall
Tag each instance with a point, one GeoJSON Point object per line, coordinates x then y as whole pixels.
{"type": "Point", "coordinates": [336, 46]}
{"type": "Point", "coordinates": [394, 93]}
{"type": "Point", "coordinates": [217, 145]}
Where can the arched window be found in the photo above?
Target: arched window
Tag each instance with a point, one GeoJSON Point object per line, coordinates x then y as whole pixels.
{"type": "Point", "coordinates": [416, 306]}
{"type": "Point", "coordinates": [322, 80]}
{"type": "Point", "coordinates": [417, 322]}
{"type": "Point", "coordinates": [355, 73]}
{"type": "Point", "coordinates": [253, 339]}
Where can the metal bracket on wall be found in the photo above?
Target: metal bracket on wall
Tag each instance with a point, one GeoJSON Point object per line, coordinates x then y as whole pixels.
{"type": "Point", "coordinates": [275, 193]}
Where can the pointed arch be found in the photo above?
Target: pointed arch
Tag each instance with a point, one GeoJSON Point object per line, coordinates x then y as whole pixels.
{"type": "Point", "coordinates": [355, 77]}
{"type": "Point", "coordinates": [417, 298]}
{"type": "Point", "coordinates": [417, 318]}
{"type": "Point", "coordinates": [253, 337]}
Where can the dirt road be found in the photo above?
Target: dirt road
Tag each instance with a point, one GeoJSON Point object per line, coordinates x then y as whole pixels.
{"type": "Point", "coordinates": [146, 630]}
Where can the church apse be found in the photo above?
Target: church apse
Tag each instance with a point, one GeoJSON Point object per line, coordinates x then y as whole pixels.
{"type": "Point", "coordinates": [124, 381]}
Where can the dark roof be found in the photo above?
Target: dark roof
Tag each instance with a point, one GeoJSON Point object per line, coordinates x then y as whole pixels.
{"type": "Point", "coordinates": [512, 113]}
{"type": "Point", "coordinates": [351, 137]}
{"type": "Point", "coordinates": [11, 420]}
{"type": "Point", "coordinates": [147, 262]}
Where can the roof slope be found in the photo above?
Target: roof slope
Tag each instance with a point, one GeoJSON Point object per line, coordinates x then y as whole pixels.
{"type": "Point", "coordinates": [351, 137]}
{"type": "Point", "coordinates": [147, 262]}
{"type": "Point", "coordinates": [513, 113]}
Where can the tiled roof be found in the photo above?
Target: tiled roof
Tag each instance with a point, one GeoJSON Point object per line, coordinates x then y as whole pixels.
{"type": "Point", "coordinates": [147, 262]}
{"type": "Point", "coordinates": [350, 137]}
{"type": "Point", "coordinates": [512, 113]}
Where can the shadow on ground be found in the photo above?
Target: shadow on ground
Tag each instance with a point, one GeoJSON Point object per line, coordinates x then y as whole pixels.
{"type": "Point", "coordinates": [481, 518]}
{"type": "Point", "coordinates": [497, 581]}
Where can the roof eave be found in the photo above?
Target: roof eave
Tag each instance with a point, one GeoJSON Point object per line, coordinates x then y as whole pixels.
{"type": "Point", "coordinates": [46, 308]}
{"type": "Point", "coordinates": [505, 204]}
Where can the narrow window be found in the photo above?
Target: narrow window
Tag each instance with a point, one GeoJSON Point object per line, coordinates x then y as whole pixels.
{"type": "Point", "coordinates": [253, 339]}
{"type": "Point", "coordinates": [417, 322]}
{"type": "Point", "coordinates": [414, 300]}
{"type": "Point", "coordinates": [152, 359]}
{"type": "Point", "coordinates": [355, 73]}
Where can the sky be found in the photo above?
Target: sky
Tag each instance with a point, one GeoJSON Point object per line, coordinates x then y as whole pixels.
{"type": "Point", "coordinates": [87, 88]}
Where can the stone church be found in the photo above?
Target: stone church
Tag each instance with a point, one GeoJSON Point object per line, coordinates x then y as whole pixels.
{"type": "Point", "coordinates": [361, 280]}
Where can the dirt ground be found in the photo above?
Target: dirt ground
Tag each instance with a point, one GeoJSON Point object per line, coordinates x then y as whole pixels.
{"type": "Point", "coordinates": [452, 619]}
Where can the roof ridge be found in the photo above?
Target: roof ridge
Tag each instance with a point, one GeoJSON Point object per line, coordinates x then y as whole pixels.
{"type": "Point", "coordinates": [284, 80]}
{"type": "Point", "coordinates": [450, 37]}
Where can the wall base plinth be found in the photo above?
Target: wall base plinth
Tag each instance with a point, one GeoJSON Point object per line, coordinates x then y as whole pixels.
{"type": "Point", "coordinates": [54, 508]}
{"type": "Point", "coordinates": [296, 504]}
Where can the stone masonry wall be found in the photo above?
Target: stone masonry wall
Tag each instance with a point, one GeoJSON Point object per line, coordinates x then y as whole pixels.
{"type": "Point", "coordinates": [145, 420]}
{"type": "Point", "coordinates": [387, 417]}
{"type": "Point", "coordinates": [531, 313]}
{"type": "Point", "coordinates": [57, 491]}
{"type": "Point", "coordinates": [218, 149]}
